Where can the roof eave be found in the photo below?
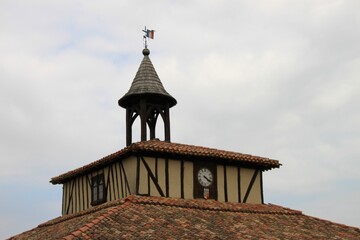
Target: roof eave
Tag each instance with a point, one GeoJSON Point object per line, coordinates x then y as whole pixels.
{"type": "Point", "coordinates": [129, 99]}
{"type": "Point", "coordinates": [137, 150]}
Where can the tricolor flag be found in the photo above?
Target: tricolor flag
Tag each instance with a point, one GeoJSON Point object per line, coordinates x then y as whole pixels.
{"type": "Point", "coordinates": [150, 34]}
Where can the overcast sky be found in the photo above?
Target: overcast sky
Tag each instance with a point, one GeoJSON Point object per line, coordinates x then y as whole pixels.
{"type": "Point", "coordinates": [277, 79]}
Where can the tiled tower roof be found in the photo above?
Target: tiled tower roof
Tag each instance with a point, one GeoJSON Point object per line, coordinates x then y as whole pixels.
{"type": "Point", "coordinates": [146, 83]}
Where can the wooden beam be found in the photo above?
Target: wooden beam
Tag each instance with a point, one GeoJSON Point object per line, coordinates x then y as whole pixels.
{"type": "Point", "coordinates": [86, 192]}
{"type": "Point", "coordinates": [167, 177]}
{"type": "Point", "coordinates": [261, 187]}
{"type": "Point", "coordinates": [75, 197]}
{"type": "Point", "coordinates": [63, 199]}
{"type": "Point", "coordinates": [117, 172]}
{"type": "Point", "coordinates": [156, 168]}
{"type": "Point", "coordinates": [133, 116]}
{"type": "Point", "coordinates": [113, 180]}
{"type": "Point", "coordinates": [250, 185]}
{"type": "Point", "coordinates": [167, 123]}
{"type": "Point", "coordinates": [143, 118]}
{"type": "Point", "coordinates": [88, 181]}
{"type": "Point", "coordinates": [137, 175]}
{"type": "Point", "coordinates": [153, 178]}
{"type": "Point", "coordinates": [239, 184]}
{"type": "Point", "coordinates": [148, 180]}
{"type": "Point", "coordinates": [128, 127]}
{"type": "Point", "coordinates": [70, 198]}
{"type": "Point", "coordinates": [225, 184]}
{"type": "Point", "coordinates": [126, 181]}
{"type": "Point", "coordinates": [182, 178]}
{"type": "Point", "coordinates": [107, 185]}
{"type": "Point", "coordinates": [83, 192]}
{"type": "Point", "coordinates": [122, 185]}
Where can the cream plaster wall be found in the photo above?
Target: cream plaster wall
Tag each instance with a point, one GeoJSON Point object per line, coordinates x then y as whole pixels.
{"type": "Point", "coordinates": [255, 194]}
{"type": "Point", "coordinates": [174, 167]}
{"type": "Point", "coordinates": [143, 179]}
{"type": "Point", "coordinates": [115, 175]}
{"type": "Point", "coordinates": [232, 183]}
{"type": "Point", "coordinates": [245, 178]}
{"type": "Point", "coordinates": [161, 174]}
{"type": "Point", "coordinates": [130, 170]}
{"type": "Point", "coordinates": [188, 180]}
{"type": "Point", "coordinates": [174, 179]}
{"type": "Point", "coordinates": [220, 183]}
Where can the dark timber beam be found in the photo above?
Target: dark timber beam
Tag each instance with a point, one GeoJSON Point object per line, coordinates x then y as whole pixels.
{"type": "Point", "coordinates": [167, 123]}
{"type": "Point", "coordinates": [153, 178]}
{"type": "Point", "coordinates": [250, 186]}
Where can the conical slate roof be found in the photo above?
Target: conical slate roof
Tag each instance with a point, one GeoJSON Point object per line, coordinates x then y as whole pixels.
{"type": "Point", "coordinates": [146, 84]}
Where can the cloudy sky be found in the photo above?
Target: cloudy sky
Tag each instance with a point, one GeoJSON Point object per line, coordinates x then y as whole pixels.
{"type": "Point", "coordinates": [278, 79]}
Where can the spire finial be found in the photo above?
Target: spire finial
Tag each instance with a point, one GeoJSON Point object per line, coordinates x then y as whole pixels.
{"type": "Point", "coordinates": [148, 34]}
{"type": "Point", "coordinates": [146, 52]}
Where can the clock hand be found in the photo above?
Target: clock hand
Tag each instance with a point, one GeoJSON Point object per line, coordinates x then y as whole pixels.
{"type": "Point", "coordinates": [207, 179]}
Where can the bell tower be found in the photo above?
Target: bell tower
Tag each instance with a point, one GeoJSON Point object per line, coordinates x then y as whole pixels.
{"type": "Point", "coordinates": [147, 99]}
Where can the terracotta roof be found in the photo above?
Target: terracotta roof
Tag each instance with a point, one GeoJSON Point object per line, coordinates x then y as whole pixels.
{"type": "Point", "coordinates": [146, 82]}
{"type": "Point", "coordinates": [172, 150]}
{"type": "Point", "coordinates": [138, 217]}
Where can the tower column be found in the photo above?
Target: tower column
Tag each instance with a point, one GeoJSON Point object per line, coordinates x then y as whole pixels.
{"type": "Point", "coordinates": [143, 118]}
{"type": "Point", "coordinates": [128, 126]}
{"type": "Point", "coordinates": [167, 123]}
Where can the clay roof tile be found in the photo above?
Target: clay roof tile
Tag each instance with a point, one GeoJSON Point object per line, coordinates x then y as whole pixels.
{"type": "Point", "coordinates": [164, 218]}
{"type": "Point", "coordinates": [176, 150]}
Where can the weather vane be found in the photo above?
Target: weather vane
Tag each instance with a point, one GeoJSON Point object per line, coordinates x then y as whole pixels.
{"type": "Point", "coordinates": [148, 34]}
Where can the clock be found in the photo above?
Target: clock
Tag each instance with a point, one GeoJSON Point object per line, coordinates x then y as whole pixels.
{"type": "Point", "coordinates": [205, 177]}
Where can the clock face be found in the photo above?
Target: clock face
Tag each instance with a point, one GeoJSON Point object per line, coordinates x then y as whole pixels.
{"type": "Point", "coordinates": [205, 177]}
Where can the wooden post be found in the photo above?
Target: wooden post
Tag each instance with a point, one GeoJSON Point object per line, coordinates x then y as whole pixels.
{"type": "Point", "coordinates": [167, 123]}
{"type": "Point", "coordinates": [128, 127]}
{"type": "Point", "coordinates": [143, 118]}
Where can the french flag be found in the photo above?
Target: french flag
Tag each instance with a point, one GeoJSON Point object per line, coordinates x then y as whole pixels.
{"type": "Point", "coordinates": [150, 34]}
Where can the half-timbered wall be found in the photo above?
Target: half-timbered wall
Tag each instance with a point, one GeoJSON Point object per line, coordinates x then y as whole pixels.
{"type": "Point", "coordinates": [77, 191]}
{"type": "Point", "coordinates": [161, 177]}
{"type": "Point", "coordinates": [237, 184]}
{"type": "Point", "coordinates": [165, 177]}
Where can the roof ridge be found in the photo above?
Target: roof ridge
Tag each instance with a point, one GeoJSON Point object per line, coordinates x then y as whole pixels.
{"type": "Point", "coordinates": [201, 204]}
{"type": "Point", "coordinates": [202, 147]}
{"type": "Point", "coordinates": [216, 205]}
{"type": "Point", "coordinates": [287, 208]}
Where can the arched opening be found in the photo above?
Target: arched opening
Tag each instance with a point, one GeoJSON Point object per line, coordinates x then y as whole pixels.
{"type": "Point", "coordinates": [136, 130]}
{"type": "Point", "coordinates": [160, 134]}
